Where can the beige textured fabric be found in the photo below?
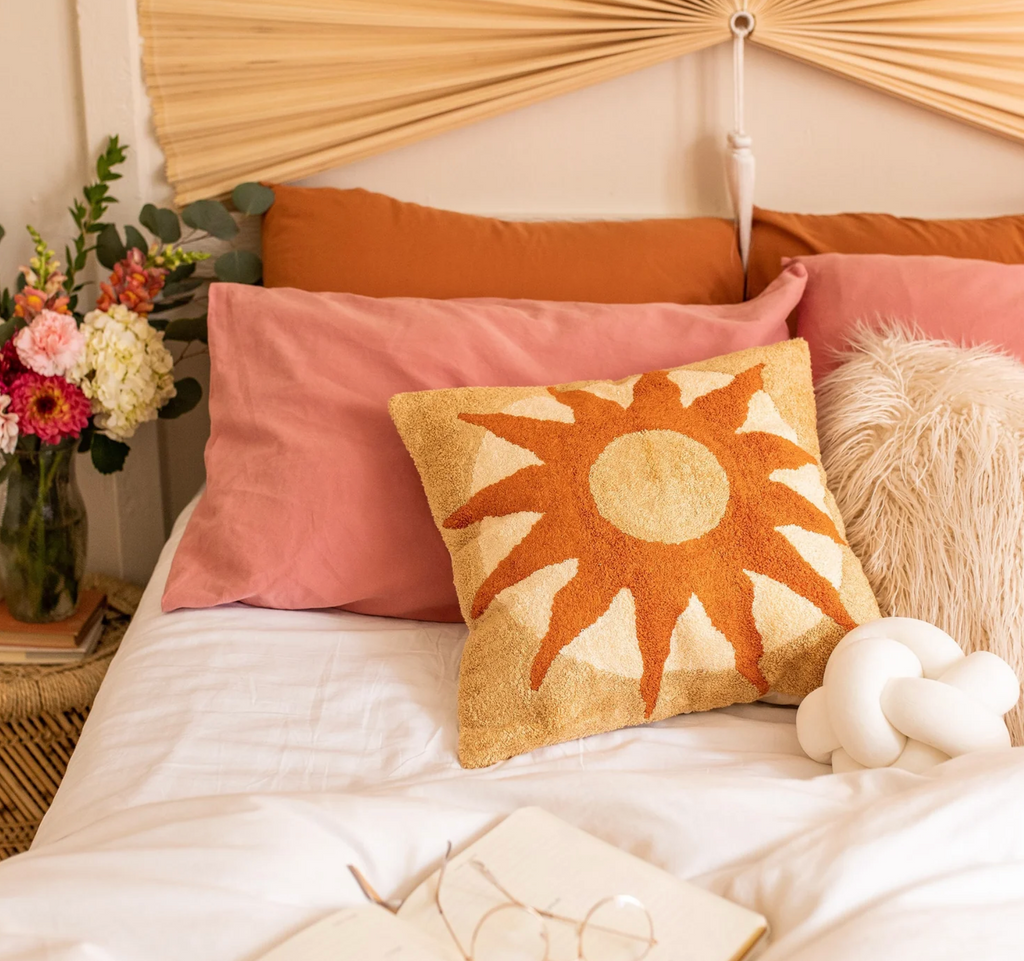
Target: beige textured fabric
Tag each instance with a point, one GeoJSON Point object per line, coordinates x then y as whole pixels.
{"type": "Point", "coordinates": [281, 89]}
{"type": "Point", "coordinates": [626, 551]}
{"type": "Point", "coordinates": [924, 445]}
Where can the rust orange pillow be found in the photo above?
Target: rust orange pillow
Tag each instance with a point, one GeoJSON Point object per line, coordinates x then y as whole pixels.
{"type": "Point", "coordinates": [358, 242]}
{"type": "Point", "coordinates": [629, 550]}
{"type": "Point", "coordinates": [777, 235]}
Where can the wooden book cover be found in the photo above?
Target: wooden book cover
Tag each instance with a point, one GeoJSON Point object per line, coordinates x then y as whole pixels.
{"type": "Point", "coordinates": [59, 635]}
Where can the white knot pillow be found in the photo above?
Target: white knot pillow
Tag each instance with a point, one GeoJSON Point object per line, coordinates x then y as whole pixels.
{"type": "Point", "coordinates": [899, 692]}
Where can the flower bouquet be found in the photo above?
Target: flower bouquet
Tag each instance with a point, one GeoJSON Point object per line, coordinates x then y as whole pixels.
{"type": "Point", "coordinates": [85, 382]}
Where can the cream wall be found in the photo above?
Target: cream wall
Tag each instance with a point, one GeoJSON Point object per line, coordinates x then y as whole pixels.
{"type": "Point", "coordinates": [42, 164]}
{"type": "Point", "coordinates": [651, 144]}
{"type": "Point", "coordinates": [648, 144]}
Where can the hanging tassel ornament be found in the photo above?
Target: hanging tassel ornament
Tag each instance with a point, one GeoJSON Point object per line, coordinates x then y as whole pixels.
{"type": "Point", "coordinates": [741, 154]}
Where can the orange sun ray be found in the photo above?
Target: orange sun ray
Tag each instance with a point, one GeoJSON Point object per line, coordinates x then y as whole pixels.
{"type": "Point", "coordinates": [652, 394]}
{"type": "Point", "coordinates": [544, 545]}
{"type": "Point", "coordinates": [584, 404]}
{"type": "Point", "coordinates": [731, 611]}
{"type": "Point", "coordinates": [524, 492]}
{"type": "Point", "coordinates": [577, 606]}
{"type": "Point", "coordinates": [801, 512]}
{"type": "Point", "coordinates": [779, 452]}
{"type": "Point", "coordinates": [655, 622]}
{"type": "Point", "coordinates": [777, 562]}
{"type": "Point", "coordinates": [545, 438]}
{"type": "Point", "coordinates": [729, 406]}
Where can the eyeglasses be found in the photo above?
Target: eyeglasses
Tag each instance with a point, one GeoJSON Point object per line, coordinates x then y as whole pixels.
{"type": "Point", "coordinates": [616, 928]}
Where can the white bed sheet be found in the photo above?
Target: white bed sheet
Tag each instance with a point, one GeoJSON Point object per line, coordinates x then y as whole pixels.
{"type": "Point", "coordinates": [236, 759]}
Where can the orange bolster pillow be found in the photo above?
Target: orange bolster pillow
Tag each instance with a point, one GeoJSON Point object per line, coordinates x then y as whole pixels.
{"type": "Point", "coordinates": [778, 235]}
{"type": "Point", "coordinates": [355, 241]}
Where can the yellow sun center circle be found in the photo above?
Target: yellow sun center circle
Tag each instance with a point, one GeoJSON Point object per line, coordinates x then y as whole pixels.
{"type": "Point", "coordinates": [659, 485]}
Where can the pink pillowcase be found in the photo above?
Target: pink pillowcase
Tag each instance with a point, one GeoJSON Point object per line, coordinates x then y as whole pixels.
{"type": "Point", "coordinates": [966, 301]}
{"type": "Point", "coordinates": [312, 500]}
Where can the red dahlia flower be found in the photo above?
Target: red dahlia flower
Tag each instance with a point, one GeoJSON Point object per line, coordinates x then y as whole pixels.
{"type": "Point", "coordinates": [10, 365]}
{"type": "Point", "coordinates": [49, 407]}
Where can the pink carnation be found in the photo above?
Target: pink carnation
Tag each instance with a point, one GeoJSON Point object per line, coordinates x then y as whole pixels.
{"type": "Point", "coordinates": [49, 407]}
{"type": "Point", "coordinates": [51, 345]}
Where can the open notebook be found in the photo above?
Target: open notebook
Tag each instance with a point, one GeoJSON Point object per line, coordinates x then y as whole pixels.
{"type": "Point", "coordinates": [547, 864]}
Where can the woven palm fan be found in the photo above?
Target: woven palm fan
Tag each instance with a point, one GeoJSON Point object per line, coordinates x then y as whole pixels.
{"type": "Point", "coordinates": [282, 89]}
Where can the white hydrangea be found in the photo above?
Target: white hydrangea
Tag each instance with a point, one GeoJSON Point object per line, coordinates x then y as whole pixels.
{"type": "Point", "coordinates": [126, 371]}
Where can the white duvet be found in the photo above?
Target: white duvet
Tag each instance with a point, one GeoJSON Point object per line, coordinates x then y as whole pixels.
{"type": "Point", "coordinates": [237, 759]}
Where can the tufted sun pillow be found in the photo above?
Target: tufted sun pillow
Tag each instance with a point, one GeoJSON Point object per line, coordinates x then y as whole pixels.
{"type": "Point", "coordinates": [629, 550]}
{"type": "Point", "coordinates": [923, 442]}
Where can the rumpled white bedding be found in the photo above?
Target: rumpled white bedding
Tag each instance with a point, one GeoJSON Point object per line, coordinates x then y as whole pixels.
{"type": "Point", "coordinates": [236, 760]}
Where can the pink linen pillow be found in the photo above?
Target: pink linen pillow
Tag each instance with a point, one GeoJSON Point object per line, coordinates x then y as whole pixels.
{"type": "Point", "coordinates": [311, 498]}
{"type": "Point", "coordinates": [949, 298]}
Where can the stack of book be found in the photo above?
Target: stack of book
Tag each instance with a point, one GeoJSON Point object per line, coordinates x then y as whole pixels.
{"type": "Point", "coordinates": [59, 642]}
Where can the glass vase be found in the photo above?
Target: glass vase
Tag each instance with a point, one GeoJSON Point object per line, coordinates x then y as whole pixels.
{"type": "Point", "coordinates": [43, 531]}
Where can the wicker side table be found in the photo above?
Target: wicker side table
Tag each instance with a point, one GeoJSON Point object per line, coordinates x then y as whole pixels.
{"type": "Point", "coordinates": [42, 710]}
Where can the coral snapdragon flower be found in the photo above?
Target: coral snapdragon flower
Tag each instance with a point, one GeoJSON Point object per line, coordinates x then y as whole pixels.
{"type": "Point", "coordinates": [49, 407]}
{"type": "Point", "coordinates": [31, 302]}
{"type": "Point", "coordinates": [132, 284]}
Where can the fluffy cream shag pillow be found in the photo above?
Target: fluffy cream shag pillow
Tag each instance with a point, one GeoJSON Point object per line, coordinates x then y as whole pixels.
{"type": "Point", "coordinates": [923, 444]}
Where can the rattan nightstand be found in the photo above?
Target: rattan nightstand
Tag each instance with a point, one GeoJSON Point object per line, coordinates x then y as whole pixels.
{"type": "Point", "coordinates": [42, 710]}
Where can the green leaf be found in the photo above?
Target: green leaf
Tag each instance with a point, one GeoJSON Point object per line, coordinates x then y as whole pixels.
{"type": "Point", "coordinates": [211, 216]}
{"type": "Point", "coordinates": [180, 273]}
{"type": "Point", "coordinates": [109, 249]}
{"type": "Point", "coordinates": [163, 306]}
{"type": "Point", "coordinates": [187, 328]}
{"type": "Point", "coordinates": [252, 198]}
{"type": "Point", "coordinates": [2, 231]}
{"type": "Point", "coordinates": [180, 287]}
{"type": "Point", "coordinates": [133, 238]}
{"type": "Point", "coordinates": [108, 455]}
{"type": "Point", "coordinates": [85, 440]}
{"type": "Point", "coordinates": [158, 324]}
{"type": "Point", "coordinates": [7, 468]}
{"type": "Point", "coordinates": [239, 267]}
{"type": "Point", "coordinates": [162, 222]}
{"type": "Point", "coordinates": [190, 392]}
{"type": "Point", "coordinates": [7, 329]}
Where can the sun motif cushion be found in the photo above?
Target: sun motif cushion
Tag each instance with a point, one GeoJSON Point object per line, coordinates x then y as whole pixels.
{"type": "Point", "coordinates": [629, 550]}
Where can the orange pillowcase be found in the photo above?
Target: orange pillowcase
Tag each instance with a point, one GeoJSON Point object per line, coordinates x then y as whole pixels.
{"type": "Point", "coordinates": [777, 235]}
{"type": "Point", "coordinates": [355, 241]}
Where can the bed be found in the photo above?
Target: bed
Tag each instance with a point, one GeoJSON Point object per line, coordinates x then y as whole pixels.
{"type": "Point", "coordinates": [236, 760]}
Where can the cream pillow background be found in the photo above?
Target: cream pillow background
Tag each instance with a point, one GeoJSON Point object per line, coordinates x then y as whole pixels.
{"type": "Point", "coordinates": [923, 444]}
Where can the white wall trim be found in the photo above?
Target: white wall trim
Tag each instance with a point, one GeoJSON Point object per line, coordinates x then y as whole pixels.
{"type": "Point", "coordinates": [115, 102]}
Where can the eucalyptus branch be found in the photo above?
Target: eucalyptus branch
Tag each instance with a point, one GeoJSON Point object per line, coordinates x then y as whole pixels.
{"type": "Point", "coordinates": [88, 215]}
{"type": "Point", "coordinates": [185, 355]}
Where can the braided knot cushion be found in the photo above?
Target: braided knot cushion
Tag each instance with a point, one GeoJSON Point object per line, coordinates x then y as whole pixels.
{"type": "Point", "coordinates": [899, 692]}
